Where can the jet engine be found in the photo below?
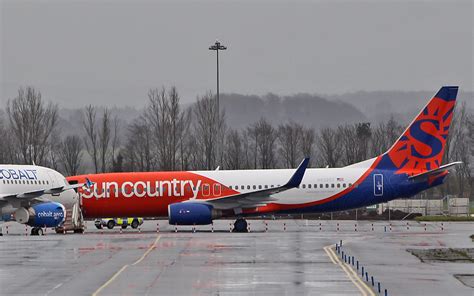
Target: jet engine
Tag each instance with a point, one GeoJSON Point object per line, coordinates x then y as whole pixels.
{"type": "Point", "coordinates": [188, 213]}
{"type": "Point", "coordinates": [49, 214]}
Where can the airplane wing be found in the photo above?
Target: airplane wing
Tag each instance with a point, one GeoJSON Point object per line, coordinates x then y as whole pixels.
{"type": "Point", "coordinates": [38, 193]}
{"type": "Point", "coordinates": [256, 198]}
{"type": "Point", "coordinates": [442, 168]}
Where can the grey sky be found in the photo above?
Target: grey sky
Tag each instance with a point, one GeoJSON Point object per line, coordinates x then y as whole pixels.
{"type": "Point", "coordinates": [110, 52]}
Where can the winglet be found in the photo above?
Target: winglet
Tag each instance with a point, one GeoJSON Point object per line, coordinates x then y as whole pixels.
{"type": "Point", "coordinates": [298, 175]}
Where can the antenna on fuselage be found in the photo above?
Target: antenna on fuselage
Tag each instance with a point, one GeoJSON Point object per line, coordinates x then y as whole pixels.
{"type": "Point", "coordinates": [218, 168]}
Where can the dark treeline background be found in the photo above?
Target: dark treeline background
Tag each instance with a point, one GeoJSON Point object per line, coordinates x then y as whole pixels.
{"type": "Point", "coordinates": [250, 132]}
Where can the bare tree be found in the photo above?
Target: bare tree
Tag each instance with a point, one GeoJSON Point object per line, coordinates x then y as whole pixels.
{"type": "Point", "coordinates": [71, 154]}
{"type": "Point", "coordinates": [91, 140]}
{"type": "Point", "coordinates": [186, 140]}
{"type": "Point", "coordinates": [290, 137]}
{"type": "Point", "coordinates": [52, 158]}
{"type": "Point", "coordinates": [168, 121]}
{"type": "Point", "coordinates": [355, 140]}
{"type": "Point", "coordinates": [384, 136]}
{"type": "Point", "coordinates": [307, 143]}
{"type": "Point", "coordinates": [347, 135]}
{"type": "Point", "coordinates": [460, 150]}
{"type": "Point", "coordinates": [233, 150]}
{"type": "Point", "coordinates": [248, 152]}
{"type": "Point", "coordinates": [105, 134]}
{"type": "Point", "coordinates": [330, 151]}
{"type": "Point", "coordinates": [7, 154]}
{"type": "Point", "coordinates": [137, 152]}
{"type": "Point", "coordinates": [265, 138]}
{"type": "Point", "coordinates": [209, 125]}
{"type": "Point", "coordinates": [251, 145]}
{"type": "Point", "coordinates": [32, 123]}
{"type": "Point", "coordinates": [191, 156]}
{"type": "Point", "coordinates": [116, 158]}
{"type": "Point", "coordinates": [363, 136]}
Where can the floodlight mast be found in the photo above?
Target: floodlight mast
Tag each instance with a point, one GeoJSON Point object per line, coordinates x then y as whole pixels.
{"type": "Point", "coordinates": [217, 46]}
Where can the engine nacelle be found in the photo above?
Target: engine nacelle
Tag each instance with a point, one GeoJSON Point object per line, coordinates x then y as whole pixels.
{"type": "Point", "coordinates": [49, 214]}
{"type": "Point", "coordinates": [188, 213]}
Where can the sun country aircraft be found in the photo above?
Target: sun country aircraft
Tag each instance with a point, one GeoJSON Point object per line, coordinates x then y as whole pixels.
{"type": "Point", "coordinates": [412, 164]}
{"type": "Point", "coordinates": [34, 195]}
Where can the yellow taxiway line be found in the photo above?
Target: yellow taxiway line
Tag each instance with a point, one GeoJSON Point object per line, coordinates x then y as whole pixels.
{"type": "Point", "coordinates": [125, 267]}
{"type": "Point", "coordinates": [360, 284]}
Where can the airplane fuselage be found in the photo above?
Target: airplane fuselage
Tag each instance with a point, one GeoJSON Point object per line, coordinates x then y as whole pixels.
{"type": "Point", "coordinates": [148, 194]}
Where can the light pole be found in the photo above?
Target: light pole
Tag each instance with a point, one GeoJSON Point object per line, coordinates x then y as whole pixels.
{"type": "Point", "coordinates": [217, 46]}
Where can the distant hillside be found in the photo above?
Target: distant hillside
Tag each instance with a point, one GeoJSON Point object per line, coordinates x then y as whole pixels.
{"type": "Point", "coordinates": [308, 110]}
{"type": "Point", "coordinates": [241, 111]}
{"type": "Point", "coordinates": [379, 105]}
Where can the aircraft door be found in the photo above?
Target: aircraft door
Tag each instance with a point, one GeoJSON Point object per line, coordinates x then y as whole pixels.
{"type": "Point", "coordinates": [378, 185]}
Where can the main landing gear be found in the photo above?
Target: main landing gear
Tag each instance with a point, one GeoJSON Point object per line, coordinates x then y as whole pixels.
{"type": "Point", "coordinates": [36, 231]}
{"type": "Point", "coordinates": [240, 225]}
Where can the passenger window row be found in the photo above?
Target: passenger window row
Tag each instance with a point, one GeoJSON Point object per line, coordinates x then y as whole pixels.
{"type": "Point", "coordinates": [304, 186]}
{"type": "Point", "coordinates": [326, 185]}
{"type": "Point", "coordinates": [26, 182]}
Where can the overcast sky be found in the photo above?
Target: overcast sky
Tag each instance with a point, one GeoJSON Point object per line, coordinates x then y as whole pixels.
{"type": "Point", "coordinates": [112, 52]}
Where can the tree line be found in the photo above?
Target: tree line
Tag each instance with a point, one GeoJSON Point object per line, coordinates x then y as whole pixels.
{"type": "Point", "coordinates": [167, 136]}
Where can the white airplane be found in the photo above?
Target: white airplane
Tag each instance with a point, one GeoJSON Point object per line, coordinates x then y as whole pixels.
{"type": "Point", "coordinates": [34, 195]}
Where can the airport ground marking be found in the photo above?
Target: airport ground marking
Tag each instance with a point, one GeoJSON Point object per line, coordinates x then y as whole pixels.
{"type": "Point", "coordinates": [356, 276]}
{"type": "Point", "coordinates": [125, 267]}
{"type": "Point", "coordinates": [331, 256]}
{"type": "Point", "coordinates": [371, 292]}
{"type": "Point", "coordinates": [363, 287]}
{"type": "Point", "coordinates": [110, 280]}
{"type": "Point", "coordinates": [354, 279]}
{"type": "Point", "coordinates": [153, 246]}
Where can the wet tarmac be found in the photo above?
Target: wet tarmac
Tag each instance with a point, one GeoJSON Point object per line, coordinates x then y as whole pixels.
{"type": "Point", "coordinates": [293, 257]}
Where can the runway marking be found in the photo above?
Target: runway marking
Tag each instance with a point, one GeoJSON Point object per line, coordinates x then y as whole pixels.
{"type": "Point", "coordinates": [360, 284]}
{"type": "Point", "coordinates": [125, 267]}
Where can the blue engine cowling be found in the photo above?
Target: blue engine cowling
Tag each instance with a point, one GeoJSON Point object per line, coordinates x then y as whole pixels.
{"type": "Point", "coordinates": [187, 213]}
{"type": "Point", "coordinates": [50, 214]}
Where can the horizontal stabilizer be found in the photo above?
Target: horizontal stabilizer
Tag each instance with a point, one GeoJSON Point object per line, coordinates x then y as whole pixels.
{"type": "Point", "coordinates": [435, 171]}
